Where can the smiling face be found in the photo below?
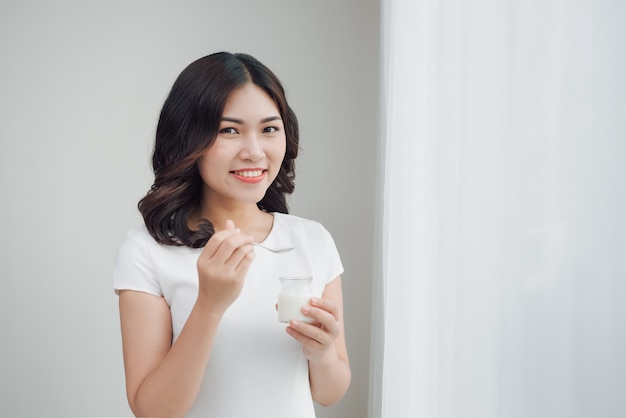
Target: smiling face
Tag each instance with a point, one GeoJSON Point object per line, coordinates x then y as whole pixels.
{"type": "Point", "coordinates": [245, 157]}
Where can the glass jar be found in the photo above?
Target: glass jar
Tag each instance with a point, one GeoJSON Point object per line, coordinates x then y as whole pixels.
{"type": "Point", "coordinates": [295, 293]}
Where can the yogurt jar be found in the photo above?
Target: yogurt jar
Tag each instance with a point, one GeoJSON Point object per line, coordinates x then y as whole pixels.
{"type": "Point", "coordinates": [295, 293]}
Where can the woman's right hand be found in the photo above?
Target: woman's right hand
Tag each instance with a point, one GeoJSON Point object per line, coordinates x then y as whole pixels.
{"type": "Point", "coordinates": [222, 267]}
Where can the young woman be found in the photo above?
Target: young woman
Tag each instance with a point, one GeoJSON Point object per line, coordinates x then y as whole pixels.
{"type": "Point", "coordinates": [197, 299]}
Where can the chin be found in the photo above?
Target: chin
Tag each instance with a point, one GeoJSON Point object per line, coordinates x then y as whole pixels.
{"type": "Point", "coordinates": [251, 199]}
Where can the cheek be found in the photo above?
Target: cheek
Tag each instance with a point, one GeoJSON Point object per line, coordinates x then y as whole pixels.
{"type": "Point", "coordinates": [207, 167]}
{"type": "Point", "coordinates": [278, 151]}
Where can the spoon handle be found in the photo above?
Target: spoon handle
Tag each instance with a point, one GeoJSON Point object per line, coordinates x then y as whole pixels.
{"type": "Point", "coordinates": [274, 250]}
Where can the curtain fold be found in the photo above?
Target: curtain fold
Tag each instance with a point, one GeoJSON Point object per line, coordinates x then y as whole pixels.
{"type": "Point", "coordinates": [502, 210]}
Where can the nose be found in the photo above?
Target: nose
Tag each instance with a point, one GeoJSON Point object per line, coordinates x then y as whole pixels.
{"type": "Point", "coordinates": [252, 148]}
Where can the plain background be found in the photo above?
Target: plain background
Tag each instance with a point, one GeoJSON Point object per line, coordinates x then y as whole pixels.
{"type": "Point", "coordinates": [81, 85]}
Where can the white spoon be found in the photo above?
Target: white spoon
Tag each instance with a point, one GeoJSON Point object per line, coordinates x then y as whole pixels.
{"type": "Point", "coordinates": [274, 250]}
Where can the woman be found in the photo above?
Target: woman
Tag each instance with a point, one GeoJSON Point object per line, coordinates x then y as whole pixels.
{"type": "Point", "coordinates": [197, 299]}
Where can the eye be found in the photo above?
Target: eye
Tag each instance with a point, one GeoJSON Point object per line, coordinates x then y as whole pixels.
{"type": "Point", "coordinates": [228, 131]}
{"type": "Point", "coordinates": [270, 129]}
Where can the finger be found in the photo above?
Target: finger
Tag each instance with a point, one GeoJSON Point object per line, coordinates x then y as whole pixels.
{"type": "Point", "coordinates": [230, 244]}
{"type": "Point", "coordinates": [301, 336]}
{"type": "Point", "coordinates": [322, 308]}
{"type": "Point", "coordinates": [322, 320]}
{"type": "Point", "coordinates": [242, 258]}
{"type": "Point", "coordinates": [313, 332]}
{"type": "Point", "coordinates": [215, 241]}
{"type": "Point", "coordinates": [327, 305]}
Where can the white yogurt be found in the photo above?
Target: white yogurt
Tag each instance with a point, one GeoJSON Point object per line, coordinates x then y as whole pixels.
{"type": "Point", "coordinates": [295, 293]}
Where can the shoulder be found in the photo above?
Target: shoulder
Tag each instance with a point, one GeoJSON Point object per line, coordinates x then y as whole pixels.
{"type": "Point", "coordinates": [302, 228]}
{"type": "Point", "coordinates": [297, 223]}
{"type": "Point", "coordinates": [134, 268]}
{"type": "Point", "coordinates": [138, 244]}
{"type": "Point", "coordinates": [293, 220]}
{"type": "Point", "coordinates": [139, 233]}
{"type": "Point", "coordinates": [137, 237]}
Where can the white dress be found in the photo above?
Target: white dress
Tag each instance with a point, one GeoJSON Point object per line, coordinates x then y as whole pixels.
{"type": "Point", "coordinates": [255, 369]}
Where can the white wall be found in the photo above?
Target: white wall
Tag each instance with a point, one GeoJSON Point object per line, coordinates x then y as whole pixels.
{"type": "Point", "coordinates": [81, 85]}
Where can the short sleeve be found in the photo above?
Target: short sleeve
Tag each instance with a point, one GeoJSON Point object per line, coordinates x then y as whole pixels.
{"type": "Point", "coordinates": [334, 267]}
{"type": "Point", "coordinates": [133, 267]}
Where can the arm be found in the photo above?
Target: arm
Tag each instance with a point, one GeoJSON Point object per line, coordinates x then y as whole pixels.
{"type": "Point", "coordinates": [164, 379]}
{"type": "Point", "coordinates": [324, 345]}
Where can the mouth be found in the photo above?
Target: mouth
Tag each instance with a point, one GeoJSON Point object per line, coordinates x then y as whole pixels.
{"type": "Point", "coordinates": [250, 176]}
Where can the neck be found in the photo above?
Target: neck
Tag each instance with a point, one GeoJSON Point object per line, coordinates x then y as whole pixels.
{"type": "Point", "coordinates": [241, 217]}
{"type": "Point", "coordinates": [248, 218]}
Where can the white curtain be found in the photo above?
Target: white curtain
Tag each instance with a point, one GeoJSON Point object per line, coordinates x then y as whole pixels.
{"type": "Point", "coordinates": [503, 273]}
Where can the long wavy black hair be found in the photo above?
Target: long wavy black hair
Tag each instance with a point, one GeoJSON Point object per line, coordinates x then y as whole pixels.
{"type": "Point", "coordinates": [188, 124]}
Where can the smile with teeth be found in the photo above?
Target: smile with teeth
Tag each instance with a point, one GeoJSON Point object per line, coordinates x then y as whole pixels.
{"type": "Point", "coordinates": [249, 173]}
{"type": "Point", "coordinates": [250, 176]}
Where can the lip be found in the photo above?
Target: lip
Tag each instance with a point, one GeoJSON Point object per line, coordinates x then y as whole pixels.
{"type": "Point", "coordinates": [250, 179]}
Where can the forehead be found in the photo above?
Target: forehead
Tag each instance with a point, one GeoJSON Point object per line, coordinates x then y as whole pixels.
{"type": "Point", "coordinates": [251, 100]}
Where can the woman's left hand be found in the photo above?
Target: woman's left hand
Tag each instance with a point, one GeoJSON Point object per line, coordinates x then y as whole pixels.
{"type": "Point", "coordinates": [317, 338]}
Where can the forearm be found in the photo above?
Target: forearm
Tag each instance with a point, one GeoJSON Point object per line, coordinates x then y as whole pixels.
{"type": "Point", "coordinates": [171, 389]}
{"type": "Point", "coordinates": [329, 379]}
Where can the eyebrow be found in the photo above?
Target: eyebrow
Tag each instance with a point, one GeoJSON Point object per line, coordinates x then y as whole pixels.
{"type": "Point", "coordinates": [239, 121]}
